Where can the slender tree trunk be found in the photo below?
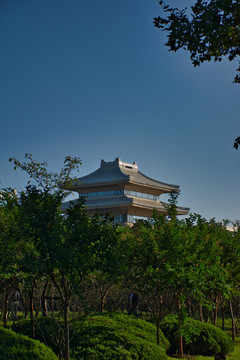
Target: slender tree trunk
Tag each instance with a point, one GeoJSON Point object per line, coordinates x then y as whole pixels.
{"type": "Point", "coordinates": [102, 303]}
{"type": "Point", "coordinates": [232, 317]}
{"type": "Point", "coordinates": [66, 328]}
{"type": "Point", "coordinates": [103, 298]}
{"type": "Point", "coordinates": [200, 312]}
{"type": "Point", "coordinates": [215, 312]}
{"type": "Point", "coordinates": [158, 330]}
{"type": "Point", "coordinates": [238, 318]}
{"type": "Point", "coordinates": [223, 318]}
{"type": "Point", "coordinates": [5, 308]}
{"type": "Point", "coordinates": [26, 306]}
{"type": "Point", "coordinates": [207, 315]}
{"type": "Point", "coordinates": [180, 345]}
{"type": "Point", "coordinates": [212, 316]}
{"type": "Point", "coordinates": [52, 303]}
{"type": "Point", "coordinates": [189, 307]}
{"type": "Point", "coordinates": [180, 339]}
{"type": "Point", "coordinates": [65, 296]}
{"type": "Point", "coordinates": [44, 301]}
{"type": "Point", "coordinates": [32, 311]}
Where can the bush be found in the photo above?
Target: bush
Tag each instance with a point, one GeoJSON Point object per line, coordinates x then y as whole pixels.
{"type": "Point", "coordinates": [47, 330]}
{"type": "Point", "coordinates": [104, 336]}
{"type": "Point", "coordinates": [19, 347]}
{"type": "Point", "coordinates": [198, 337]}
{"type": "Point", "coordinates": [116, 336]}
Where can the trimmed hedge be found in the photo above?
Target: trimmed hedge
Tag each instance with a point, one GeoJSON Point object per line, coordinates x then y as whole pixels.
{"type": "Point", "coordinates": [198, 338]}
{"type": "Point", "coordinates": [19, 347]}
{"type": "Point", "coordinates": [116, 336]}
{"type": "Point", "coordinates": [105, 336]}
{"type": "Point", "coordinates": [47, 330]}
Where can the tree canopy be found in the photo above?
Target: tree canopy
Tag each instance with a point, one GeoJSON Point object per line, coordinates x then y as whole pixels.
{"type": "Point", "coordinates": [174, 265]}
{"type": "Point", "coordinates": [210, 31]}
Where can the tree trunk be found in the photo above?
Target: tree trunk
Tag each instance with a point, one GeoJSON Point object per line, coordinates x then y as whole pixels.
{"type": "Point", "coordinates": [26, 306]}
{"type": "Point", "coordinates": [66, 328]}
{"type": "Point", "coordinates": [32, 311]}
{"type": "Point", "coordinates": [215, 312]}
{"type": "Point", "coordinates": [189, 307]}
{"type": "Point", "coordinates": [207, 315]}
{"type": "Point", "coordinates": [232, 317]}
{"type": "Point", "coordinates": [180, 320]}
{"type": "Point", "coordinates": [103, 298]}
{"type": "Point", "coordinates": [5, 309]}
{"type": "Point", "coordinates": [200, 313]}
{"type": "Point", "coordinates": [212, 316]}
{"type": "Point", "coordinates": [223, 319]}
{"type": "Point", "coordinates": [158, 328]}
{"type": "Point", "coordinates": [180, 345]}
{"type": "Point", "coordinates": [52, 303]}
{"type": "Point", "coordinates": [44, 301]}
{"type": "Point", "coordinates": [102, 303]}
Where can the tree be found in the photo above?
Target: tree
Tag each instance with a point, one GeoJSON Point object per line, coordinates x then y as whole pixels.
{"type": "Point", "coordinates": [230, 259]}
{"type": "Point", "coordinates": [66, 247]}
{"type": "Point", "coordinates": [11, 245]}
{"type": "Point", "coordinates": [236, 143]}
{"type": "Point", "coordinates": [43, 223]}
{"type": "Point", "coordinates": [147, 271]}
{"type": "Point", "coordinates": [211, 32]}
{"type": "Point", "coordinates": [162, 264]}
{"type": "Point", "coordinates": [106, 254]}
{"type": "Point", "coordinates": [44, 179]}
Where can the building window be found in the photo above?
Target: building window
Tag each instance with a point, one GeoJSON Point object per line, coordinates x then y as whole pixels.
{"type": "Point", "coordinates": [134, 218]}
{"type": "Point", "coordinates": [120, 218]}
{"type": "Point", "coordinates": [142, 195]}
{"type": "Point", "coordinates": [119, 192]}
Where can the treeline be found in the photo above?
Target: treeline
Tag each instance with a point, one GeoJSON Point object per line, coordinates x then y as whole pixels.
{"type": "Point", "coordinates": [71, 262]}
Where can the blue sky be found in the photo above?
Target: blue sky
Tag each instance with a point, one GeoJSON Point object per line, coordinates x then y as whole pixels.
{"type": "Point", "coordinates": [93, 79]}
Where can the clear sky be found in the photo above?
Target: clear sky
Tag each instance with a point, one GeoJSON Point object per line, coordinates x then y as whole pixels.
{"type": "Point", "coordinates": [93, 79]}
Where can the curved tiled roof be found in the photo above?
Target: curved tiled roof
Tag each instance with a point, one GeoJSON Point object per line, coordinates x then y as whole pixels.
{"type": "Point", "coordinates": [116, 172]}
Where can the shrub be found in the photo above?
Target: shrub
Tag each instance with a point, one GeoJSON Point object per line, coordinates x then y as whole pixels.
{"type": "Point", "coordinates": [47, 330]}
{"type": "Point", "coordinates": [19, 347]}
{"type": "Point", "coordinates": [116, 336]}
{"type": "Point", "coordinates": [105, 336]}
{"type": "Point", "coordinates": [198, 337]}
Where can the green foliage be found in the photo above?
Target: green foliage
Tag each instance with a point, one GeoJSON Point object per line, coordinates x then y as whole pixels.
{"type": "Point", "coordinates": [199, 338]}
{"type": "Point", "coordinates": [209, 32]}
{"type": "Point", "coordinates": [116, 336]}
{"type": "Point", "coordinates": [236, 143]}
{"type": "Point", "coordinates": [165, 260]}
{"type": "Point", "coordinates": [47, 330]}
{"type": "Point", "coordinates": [19, 347]}
{"type": "Point", "coordinates": [11, 241]}
{"type": "Point", "coordinates": [106, 336]}
{"type": "Point", "coordinates": [45, 180]}
{"type": "Point", "coordinates": [169, 327]}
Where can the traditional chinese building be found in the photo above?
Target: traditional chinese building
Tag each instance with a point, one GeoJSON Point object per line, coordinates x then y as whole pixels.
{"type": "Point", "coordinates": [120, 189]}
